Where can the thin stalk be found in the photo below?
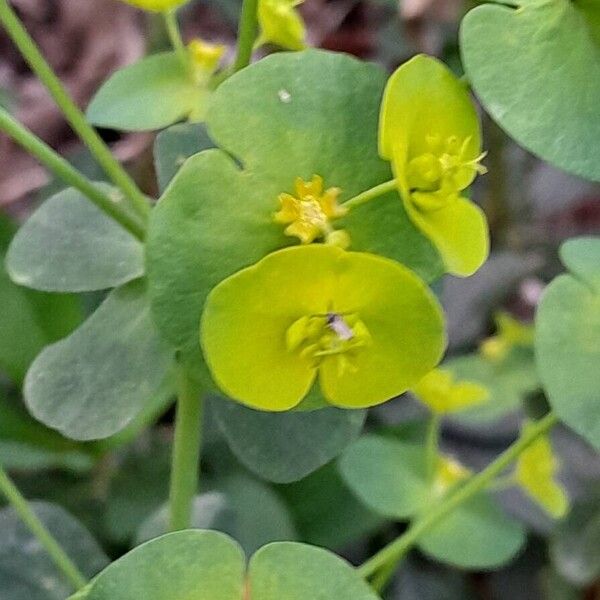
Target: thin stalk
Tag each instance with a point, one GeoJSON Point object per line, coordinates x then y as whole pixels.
{"type": "Point", "coordinates": [174, 34]}
{"type": "Point", "coordinates": [247, 31]}
{"type": "Point", "coordinates": [185, 468]}
{"type": "Point", "coordinates": [396, 550]}
{"type": "Point", "coordinates": [371, 194]}
{"type": "Point", "coordinates": [39, 530]}
{"type": "Point", "coordinates": [432, 441]}
{"type": "Point", "coordinates": [112, 205]}
{"type": "Point", "coordinates": [71, 111]}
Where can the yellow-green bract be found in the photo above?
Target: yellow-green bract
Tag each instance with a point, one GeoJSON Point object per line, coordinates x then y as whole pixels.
{"type": "Point", "coordinates": [281, 24]}
{"type": "Point", "coordinates": [156, 5]}
{"type": "Point", "coordinates": [439, 391]}
{"type": "Point", "coordinates": [369, 327]}
{"type": "Point", "coordinates": [430, 132]}
{"type": "Point", "coordinates": [536, 472]}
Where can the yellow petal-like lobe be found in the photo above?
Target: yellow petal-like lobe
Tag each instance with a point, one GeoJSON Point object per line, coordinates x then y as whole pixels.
{"type": "Point", "coordinates": [460, 232]}
{"type": "Point", "coordinates": [281, 24]}
{"type": "Point", "coordinates": [369, 326]}
{"type": "Point", "coordinates": [442, 394]}
{"type": "Point", "coordinates": [536, 472]}
{"type": "Point", "coordinates": [156, 5]}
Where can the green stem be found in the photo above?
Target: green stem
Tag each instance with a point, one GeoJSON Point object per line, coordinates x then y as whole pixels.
{"type": "Point", "coordinates": [247, 32]}
{"type": "Point", "coordinates": [112, 205]}
{"type": "Point", "coordinates": [396, 550]}
{"type": "Point", "coordinates": [174, 34]}
{"type": "Point", "coordinates": [374, 192]}
{"type": "Point", "coordinates": [39, 530]}
{"type": "Point", "coordinates": [185, 469]}
{"type": "Point", "coordinates": [71, 111]}
{"type": "Point", "coordinates": [432, 443]}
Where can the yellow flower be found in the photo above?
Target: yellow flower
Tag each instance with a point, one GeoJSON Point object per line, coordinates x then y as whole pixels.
{"type": "Point", "coordinates": [156, 5]}
{"type": "Point", "coordinates": [430, 132]}
{"type": "Point", "coordinates": [205, 58]}
{"type": "Point", "coordinates": [448, 474]}
{"type": "Point", "coordinates": [309, 213]}
{"type": "Point", "coordinates": [442, 394]}
{"type": "Point", "coordinates": [510, 334]}
{"type": "Point", "coordinates": [281, 24]}
{"type": "Point", "coordinates": [536, 472]}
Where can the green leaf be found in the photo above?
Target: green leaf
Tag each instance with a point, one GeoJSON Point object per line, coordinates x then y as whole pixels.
{"type": "Point", "coordinates": [285, 447]}
{"type": "Point", "coordinates": [290, 571]}
{"type": "Point", "coordinates": [153, 93]}
{"type": "Point", "coordinates": [389, 476]}
{"type": "Point", "coordinates": [508, 381]}
{"type": "Point", "coordinates": [70, 245]}
{"type": "Point", "coordinates": [311, 500]}
{"type": "Point", "coordinates": [575, 542]}
{"type": "Point", "coordinates": [206, 565]}
{"type": "Point", "coordinates": [476, 535]}
{"type": "Point", "coordinates": [536, 70]}
{"type": "Point", "coordinates": [26, 570]}
{"type": "Point", "coordinates": [92, 383]}
{"type": "Point", "coordinates": [203, 565]}
{"type": "Point", "coordinates": [281, 118]}
{"type": "Point", "coordinates": [174, 146]}
{"type": "Point", "coordinates": [567, 339]}
{"type": "Point", "coordinates": [29, 320]}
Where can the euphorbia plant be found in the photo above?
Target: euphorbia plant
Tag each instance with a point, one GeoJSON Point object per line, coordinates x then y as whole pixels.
{"type": "Point", "coordinates": [308, 203]}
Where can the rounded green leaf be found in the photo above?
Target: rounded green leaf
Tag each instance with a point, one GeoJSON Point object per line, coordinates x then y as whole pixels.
{"type": "Point", "coordinates": [567, 343]}
{"type": "Point", "coordinates": [26, 570]}
{"type": "Point", "coordinates": [476, 535]}
{"type": "Point", "coordinates": [92, 384]}
{"type": "Point", "coordinates": [282, 119]}
{"type": "Point", "coordinates": [536, 69]}
{"type": "Point", "coordinates": [203, 565]}
{"type": "Point", "coordinates": [388, 475]}
{"type": "Point", "coordinates": [151, 94]}
{"type": "Point", "coordinates": [291, 571]}
{"type": "Point", "coordinates": [397, 329]}
{"type": "Point", "coordinates": [284, 447]}
{"type": "Point", "coordinates": [70, 245]}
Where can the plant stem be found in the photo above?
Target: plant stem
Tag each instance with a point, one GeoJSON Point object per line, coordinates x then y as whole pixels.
{"type": "Point", "coordinates": [374, 192]}
{"type": "Point", "coordinates": [185, 468]}
{"type": "Point", "coordinates": [174, 34]}
{"type": "Point", "coordinates": [432, 443]}
{"type": "Point", "coordinates": [247, 32]}
{"type": "Point", "coordinates": [396, 550]}
{"type": "Point", "coordinates": [39, 530]}
{"type": "Point", "coordinates": [111, 205]}
{"type": "Point", "coordinates": [71, 111]}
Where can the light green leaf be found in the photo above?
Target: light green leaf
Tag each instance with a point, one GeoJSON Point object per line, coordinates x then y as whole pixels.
{"type": "Point", "coordinates": [174, 146]}
{"type": "Point", "coordinates": [203, 565]}
{"type": "Point", "coordinates": [29, 320]}
{"type": "Point", "coordinates": [282, 119]}
{"type": "Point", "coordinates": [26, 570]}
{"type": "Point", "coordinates": [290, 571]}
{"type": "Point", "coordinates": [285, 447]}
{"type": "Point", "coordinates": [567, 341]}
{"type": "Point", "coordinates": [70, 245]}
{"type": "Point", "coordinates": [476, 535]}
{"type": "Point", "coordinates": [153, 93]}
{"type": "Point", "coordinates": [388, 475]}
{"type": "Point", "coordinates": [92, 383]}
{"type": "Point", "coordinates": [536, 70]}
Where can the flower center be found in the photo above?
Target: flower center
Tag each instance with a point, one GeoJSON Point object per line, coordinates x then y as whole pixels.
{"type": "Point", "coordinates": [445, 166]}
{"type": "Point", "coordinates": [309, 213]}
{"type": "Point", "coordinates": [330, 335]}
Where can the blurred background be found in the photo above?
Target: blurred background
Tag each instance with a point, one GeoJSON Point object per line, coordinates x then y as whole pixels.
{"type": "Point", "coordinates": [531, 208]}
